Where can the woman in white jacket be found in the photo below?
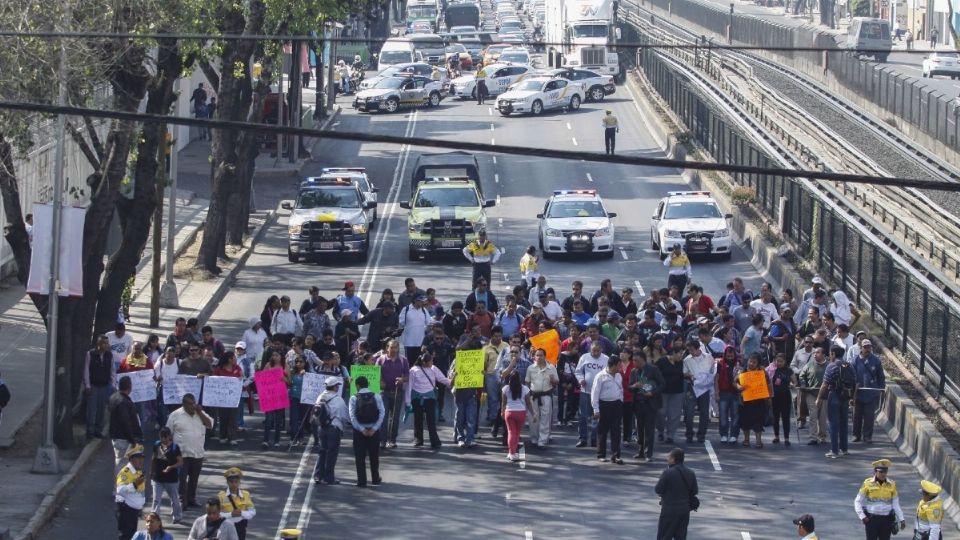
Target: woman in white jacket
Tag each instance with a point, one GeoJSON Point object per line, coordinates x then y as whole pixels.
{"type": "Point", "coordinates": [843, 310]}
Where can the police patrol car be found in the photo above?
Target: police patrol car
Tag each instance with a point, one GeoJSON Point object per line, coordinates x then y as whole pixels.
{"type": "Point", "coordinates": [445, 215]}
{"type": "Point", "coordinates": [497, 77]}
{"type": "Point", "coordinates": [693, 220]}
{"type": "Point", "coordinates": [595, 85]}
{"type": "Point", "coordinates": [575, 221]}
{"type": "Point", "coordinates": [359, 177]}
{"type": "Point", "coordinates": [391, 93]}
{"type": "Point", "coordinates": [536, 94]}
{"type": "Point", "coordinates": [328, 217]}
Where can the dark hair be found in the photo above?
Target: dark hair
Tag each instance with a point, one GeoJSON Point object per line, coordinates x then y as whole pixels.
{"type": "Point", "coordinates": [408, 281]}
{"type": "Point", "coordinates": [757, 319]}
{"type": "Point", "coordinates": [188, 397]}
{"type": "Point", "coordinates": [838, 351]}
{"type": "Point", "coordinates": [497, 329]}
{"type": "Point", "coordinates": [193, 321]}
{"type": "Point", "coordinates": [613, 361]}
{"type": "Point", "coordinates": [125, 384]}
{"type": "Point", "coordinates": [516, 389]}
{"type": "Point", "coordinates": [361, 382]}
{"type": "Point", "coordinates": [157, 517]}
{"type": "Point", "coordinates": [213, 501]}
{"type": "Point", "coordinates": [457, 304]}
{"type": "Point", "coordinates": [676, 454]}
{"type": "Point", "coordinates": [206, 329]}
{"type": "Point", "coordinates": [166, 432]}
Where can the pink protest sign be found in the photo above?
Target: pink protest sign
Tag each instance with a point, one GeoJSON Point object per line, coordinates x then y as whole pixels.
{"type": "Point", "coordinates": [271, 389]}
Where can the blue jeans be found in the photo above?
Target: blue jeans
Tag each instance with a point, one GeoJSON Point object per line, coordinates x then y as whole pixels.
{"type": "Point", "coordinates": [172, 489]}
{"type": "Point", "coordinates": [729, 404]}
{"type": "Point", "coordinates": [838, 410]}
{"type": "Point", "coordinates": [97, 408]}
{"type": "Point", "coordinates": [327, 458]}
{"type": "Point", "coordinates": [273, 421]}
{"type": "Point", "coordinates": [587, 425]}
{"type": "Point", "coordinates": [491, 382]}
{"type": "Point", "coordinates": [465, 424]}
{"type": "Point", "coordinates": [240, 422]}
{"type": "Point", "coordinates": [299, 425]}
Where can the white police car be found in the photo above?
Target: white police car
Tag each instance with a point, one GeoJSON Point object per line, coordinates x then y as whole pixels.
{"type": "Point", "coordinates": [496, 76]}
{"type": "Point", "coordinates": [575, 221]}
{"type": "Point", "coordinates": [391, 93]}
{"type": "Point", "coordinates": [693, 220]}
{"type": "Point", "coordinates": [359, 177]}
{"type": "Point", "coordinates": [537, 94]}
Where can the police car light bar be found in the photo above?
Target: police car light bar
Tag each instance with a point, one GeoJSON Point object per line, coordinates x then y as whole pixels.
{"type": "Point", "coordinates": [575, 192]}
{"type": "Point", "coordinates": [448, 179]}
{"type": "Point", "coordinates": [677, 193]}
{"type": "Point", "coordinates": [343, 169]}
{"type": "Point", "coordinates": [327, 180]}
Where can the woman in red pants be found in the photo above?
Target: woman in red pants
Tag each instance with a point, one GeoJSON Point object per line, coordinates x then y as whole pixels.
{"type": "Point", "coordinates": [514, 405]}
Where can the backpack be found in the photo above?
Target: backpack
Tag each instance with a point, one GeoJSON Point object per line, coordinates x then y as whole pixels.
{"type": "Point", "coordinates": [846, 381]}
{"type": "Point", "coordinates": [4, 395]}
{"type": "Point", "coordinates": [367, 411]}
{"type": "Point", "coordinates": [321, 417]}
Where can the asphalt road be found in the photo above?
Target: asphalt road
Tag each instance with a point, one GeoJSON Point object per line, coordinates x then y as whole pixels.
{"type": "Point", "coordinates": [561, 492]}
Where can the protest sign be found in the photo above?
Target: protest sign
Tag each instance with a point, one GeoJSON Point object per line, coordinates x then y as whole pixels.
{"type": "Point", "coordinates": [144, 387]}
{"type": "Point", "coordinates": [549, 341]}
{"type": "Point", "coordinates": [372, 373]}
{"type": "Point", "coordinates": [312, 387]}
{"type": "Point", "coordinates": [272, 390]}
{"type": "Point", "coordinates": [174, 388]}
{"type": "Point", "coordinates": [469, 369]}
{"type": "Point", "coordinates": [222, 391]}
{"type": "Point", "coordinates": [754, 385]}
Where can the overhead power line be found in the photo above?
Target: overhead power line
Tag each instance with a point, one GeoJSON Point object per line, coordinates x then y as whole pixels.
{"type": "Point", "coordinates": [593, 157]}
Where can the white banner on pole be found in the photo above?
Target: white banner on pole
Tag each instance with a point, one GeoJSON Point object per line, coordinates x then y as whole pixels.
{"type": "Point", "coordinates": [144, 387]}
{"type": "Point", "coordinates": [174, 388]}
{"type": "Point", "coordinates": [222, 391]}
{"type": "Point", "coordinates": [71, 250]}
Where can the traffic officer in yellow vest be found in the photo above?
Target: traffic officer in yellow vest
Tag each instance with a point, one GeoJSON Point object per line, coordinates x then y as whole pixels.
{"type": "Point", "coordinates": [929, 512]}
{"type": "Point", "coordinates": [878, 504]}
{"type": "Point", "coordinates": [482, 253]}
{"type": "Point", "coordinates": [610, 129]}
{"type": "Point", "coordinates": [236, 503]}
{"type": "Point", "coordinates": [129, 493]}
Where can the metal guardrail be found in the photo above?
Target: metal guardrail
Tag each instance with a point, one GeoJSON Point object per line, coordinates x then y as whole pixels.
{"type": "Point", "coordinates": [840, 244]}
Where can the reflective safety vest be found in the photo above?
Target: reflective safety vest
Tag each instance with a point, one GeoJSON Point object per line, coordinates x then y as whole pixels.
{"type": "Point", "coordinates": [243, 502]}
{"type": "Point", "coordinates": [127, 492]}
{"type": "Point", "coordinates": [609, 121]}
{"type": "Point", "coordinates": [878, 498]}
{"type": "Point", "coordinates": [481, 252]}
{"type": "Point", "coordinates": [929, 516]}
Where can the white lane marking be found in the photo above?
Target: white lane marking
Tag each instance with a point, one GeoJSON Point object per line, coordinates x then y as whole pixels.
{"type": "Point", "coordinates": [589, 177]}
{"type": "Point", "coordinates": [306, 511]}
{"type": "Point", "coordinates": [375, 262]}
{"type": "Point", "coordinates": [490, 111]}
{"type": "Point", "coordinates": [639, 288]}
{"type": "Point", "coordinates": [496, 178]}
{"type": "Point", "coordinates": [494, 160]}
{"type": "Point", "coordinates": [491, 127]}
{"type": "Point", "coordinates": [500, 224]}
{"type": "Point", "coordinates": [713, 456]}
{"type": "Point", "coordinates": [528, 535]}
{"type": "Point", "coordinates": [744, 535]}
{"type": "Point", "coordinates": [568, 125]}
{"type": "Point", "coordinates": [523, 458]}
{"type": "Point", "coordinates": [506, 276]}
{"type": "Point", "coordinates": [498, 200]}
{"type": "Point", "coordinates": [624, 254]}
{"type": "Point", "coordinates": [493, 142]}
{"type": "Point", "coordinates": [575, 141]}
{"type": "Point", "coordinates": [507, 496]}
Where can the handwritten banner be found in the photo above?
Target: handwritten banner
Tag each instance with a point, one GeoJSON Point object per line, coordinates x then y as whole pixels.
{"type": "Point", "coordinates": [754, 385]}
{"type": "Point", "coordinates": [144, 387]}
{"type": "Point", "coordinates": [469, 369]}
{"type": "Point", "coordinates": [312, 387]}
{"type": "Point", "coordinates": [372, 373]}
{"type": "Point", "coordinates": [549, 341]}
{"type": "Point", "coordinates": [272, 389]}
{"type": "Point", "coordinates": [174, 388]}
{"type": "Point", "coordinates": [222, 391]}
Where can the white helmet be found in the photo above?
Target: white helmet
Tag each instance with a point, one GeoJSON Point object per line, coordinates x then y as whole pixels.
{"type": "Point", "coordinates": [357, 58]}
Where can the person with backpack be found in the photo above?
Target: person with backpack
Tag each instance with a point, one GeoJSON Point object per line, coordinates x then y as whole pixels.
{"type": "Point", "coordinates": [330, 416]}
{"type": "Point", "coordinates": [165, 472]}
{"type": "Point", "coordinates": [213, 525]}
{"type": "Point", "coordinates": [677, 488]}
{"type": "Point", "coordinates": [838, 388]}
{"type": "Point", "coordinates": [424, 377]}
{"type": "Point", "coordinates": [366, 417]}
{"type": "Point", "coordinates": [414, 321]}
{"type": "Point", "coordinates": [4, 397]}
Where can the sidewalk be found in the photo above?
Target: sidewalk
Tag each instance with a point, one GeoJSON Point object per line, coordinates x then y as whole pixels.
{"type": "Point", "coordinates": [29, 499]}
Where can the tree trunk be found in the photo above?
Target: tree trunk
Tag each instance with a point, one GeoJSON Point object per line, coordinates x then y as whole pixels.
{"type": "Point", "coordinates": [15, 231]}
{"type": "Point", "coordinates": [238, 209]}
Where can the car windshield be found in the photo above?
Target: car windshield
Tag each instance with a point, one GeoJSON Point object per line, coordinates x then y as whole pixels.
{"type": "Point", "coordinates": [590, 31]}
{"type": "Point", "coordinates": [528, 85]}
{"type": "Point", "coordinates": [569, 209]}
{"type": "Point", "coordinates": [692, 210]}
{"type": "Point", "coordinates": [421, 12]}
{"type": "Point", "coordinates": [432, 198]}
{"type": "Point", "coordinates": [394, 57]}
{"type": "Point", "coordinates": [520, 58]}
{"type": "Point", "coordinates": [345, 197]}
{"type": "Point", "coordinates": [496, 49]}
{"type": "Point", "coordinates": [389, 82]}
{"type": "Point", "coordinates": [456, 48]}
{"type": "Point", "coordinates": [952, 56]}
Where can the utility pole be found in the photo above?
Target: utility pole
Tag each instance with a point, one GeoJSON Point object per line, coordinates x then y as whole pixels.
{"type": "Point", "coordinates": [47, 460]}
{"type": "Point", "coordinates": [280, 114]}
{"type": "Point", "coordinates": [168, 292]}
{"type": "Point", "coordinates": [158, 231]}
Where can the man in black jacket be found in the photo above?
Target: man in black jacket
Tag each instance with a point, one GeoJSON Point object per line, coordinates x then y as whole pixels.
{"type": "Point", "coordinates": [383, 323]}
{"type": "Point", "coordinates": [677, 487]}
{"type": "Point", "coordinates": [125, 430]}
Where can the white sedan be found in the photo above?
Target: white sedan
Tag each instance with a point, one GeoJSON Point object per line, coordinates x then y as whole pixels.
{"type": "Point", "coordinates": [496, 76]}
{"type": "Point", "coordinates": [536, 94]}
{"type": "Point", "coordinates": [942, 63]}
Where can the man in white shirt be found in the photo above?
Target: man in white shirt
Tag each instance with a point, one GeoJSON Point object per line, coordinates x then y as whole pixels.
{"type": "Point", "coordinates": [121, 343]}
{"type": "Point", "coordinates": [551, 308]}
{"type": "Point", "coordinates": [286, 321]}
{"type": "Point", "coordinates": [701, 371]}
{"type": "Point", "coordinates": [606, 399]}
{"type": "Point", "coordinates": [414, 320]}
{"type": "Point", "coordinates": [542, 378]}
{"type": "Point", "coordinates": [588, 367]}
{"type": "Point", "coordinates": [765, 306]}
{"type": "Point", "coordinates": [189, 425]}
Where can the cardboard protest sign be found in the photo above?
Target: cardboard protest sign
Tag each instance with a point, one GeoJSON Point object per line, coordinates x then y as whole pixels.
{"type": "Point", "coordinates": [372, 373]}
{"type": "Point", "coordinates": [144, 387]}
{"type": "Point", "coordinates": [174, 388]}
{"type": "Point", "coordinates": [754, 385]}
{"type": "Point", "coordinates": [549, 341]}
{"type": "Point", "coordinates": [272, 389]}
{"type": "Point", "coordinates": [469, 369]}
{"type": "Point", "coordinates": [222, 391]}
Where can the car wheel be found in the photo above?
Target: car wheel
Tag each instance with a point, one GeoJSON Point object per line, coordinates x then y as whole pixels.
{"type": "Point", "coordinates": [412, 255]}
{"type": "Point", "coordinates": [536, 108]}
{"type": "Point", "coordinates": [596, 94]}
{"type": "Point", "coordinates": [292, 258]}
{"type": "Point", "coordinates": [574, 102]}
{"type": "Point", "coordinates": [540, 243]}
{"type": "Point", "coordinates": [393, 104]}
{"type": "Point", "coordinates": [653, 242]}
{"type": "Point", "coordinates": [434, 99]}
{"type": "Point", "coordinates": [504, 111]}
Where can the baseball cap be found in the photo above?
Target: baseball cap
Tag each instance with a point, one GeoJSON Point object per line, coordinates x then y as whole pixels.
{"type": "Point", "coordinates": [330, 382]}
{"type": "Point", "coordinates": [538, 305]}
{"type": "Point", "coordinates": [806, 521]}
{"type": "Point", "coordinates": [241, 345]}
{"type": "Point", "coordinates": [817, 279]}
{"type": "Point", "coordinates": [702, 320]}
{"type": "Point", "coordinates": [347, 285]}
{"type": "Point", "coordinates": [420, 298]}
{"type": "Point", "coordinates": [865, 343]}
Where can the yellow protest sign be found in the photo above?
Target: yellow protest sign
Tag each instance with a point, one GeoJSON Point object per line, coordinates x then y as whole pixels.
{"type": "Point", "coordinates": [549, 341]}
{"type": "Point", "coordinates": [754, 385]}
{"type": "Point", "coordinates": [469, 369]}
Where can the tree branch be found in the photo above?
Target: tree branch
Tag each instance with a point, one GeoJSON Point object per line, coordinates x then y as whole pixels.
{"type": "Point", "coordinates": [212, 76]}
{"type": "Point", "coordinates": [88, 152]}
{"type": "Point", "coordinates": [94, 138]}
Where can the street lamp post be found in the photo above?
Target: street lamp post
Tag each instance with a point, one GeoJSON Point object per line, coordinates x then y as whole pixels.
{"type": "Point", "coordinates": [168, 292]}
